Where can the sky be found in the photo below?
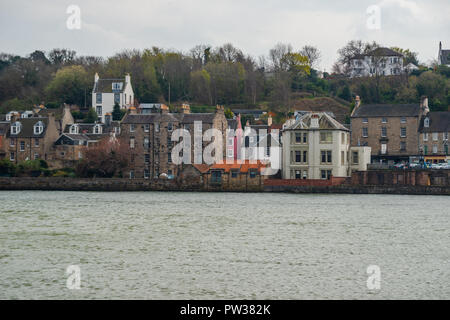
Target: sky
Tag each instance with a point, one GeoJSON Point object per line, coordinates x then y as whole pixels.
{"type": "Point", "coordinates": [255, 26]}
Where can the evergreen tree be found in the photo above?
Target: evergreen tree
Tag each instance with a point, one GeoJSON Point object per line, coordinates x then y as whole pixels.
{"type": "Point", "coordinates": [91, 116]}
{"type": "Point", "coordinates": [116, 114]}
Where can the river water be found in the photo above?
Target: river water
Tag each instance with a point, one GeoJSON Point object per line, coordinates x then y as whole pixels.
{"type": "Point", "coordinates": [168, 245]}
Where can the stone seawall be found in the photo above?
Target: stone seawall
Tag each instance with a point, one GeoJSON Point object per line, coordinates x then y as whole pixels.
{"type": "Point", "coordinates": [76, 184]}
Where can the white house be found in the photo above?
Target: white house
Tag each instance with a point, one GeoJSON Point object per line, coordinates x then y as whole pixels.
{"type": "Point", "coordinates": [107, 92]}
{"type": "Point", "coordinates": [316, 146]}
{"type": "Point", "coordinates": [380, 62]}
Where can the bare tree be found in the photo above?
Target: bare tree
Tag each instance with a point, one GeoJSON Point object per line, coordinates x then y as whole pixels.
{"type": "Point", "coordinates": [312, 53]}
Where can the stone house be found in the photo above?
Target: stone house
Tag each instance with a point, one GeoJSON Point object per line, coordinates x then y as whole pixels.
{"type": "Point", "coordinates": [434, 130]}
{"type": "Point", "coordinates": [316, 146]}
{"type": "Point", "coordinates": [391, 130]}
{"type": "Point", "coordinates": [443, 56]}
{"type": "Point", "coordinates": [236, 176]}
{"type": "Point", "coordinates": [150, 138]}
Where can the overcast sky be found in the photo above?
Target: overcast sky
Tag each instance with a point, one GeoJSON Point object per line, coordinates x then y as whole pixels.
{"type": "Point", "coordinates": [254, 26]}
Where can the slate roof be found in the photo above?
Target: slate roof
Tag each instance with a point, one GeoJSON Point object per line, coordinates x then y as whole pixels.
{"type": "Point", "coordinates": [382, 51]}
{"type": "Point", "coordinates": [27, 129]}
{"type": "Point", "coordinates": [439, 122]}
{"type": "Point", "coordinates": [174, 117]}
{"type": "Point", "coordinates": [57, 112]}
{"type": "Point", "coordinates": [105, 85]}
{"type": "Point", "coordinates": [325, 122]}
{"type": "Point", "coordinates": [387, 110]}
{"type": "Point", "coordinates": [4, 127]}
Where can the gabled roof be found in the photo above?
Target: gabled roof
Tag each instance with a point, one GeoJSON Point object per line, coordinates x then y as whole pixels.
{"type": "Point", "coordinates": [105, 85]}
{"type": "Point", "coordinates": [445, 56]}
{"type": "Point", "coordinates": [387, 110]}
{"type": "Point", "coordinates": [382, 52]}
{"type": "Point", "coordinates": [439, 122]}
{"type": "Point", "coordinates": [166, 117]}
{"type": "Point", "coordinates": [325, 122]}
{"type": "Point", "coordinates": [27, 129]}
{"type": "Point", "coordinates": [243, 167]}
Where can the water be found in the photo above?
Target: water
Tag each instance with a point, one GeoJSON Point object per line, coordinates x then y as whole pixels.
{"type": "Point", "coordinates": [167, 245]}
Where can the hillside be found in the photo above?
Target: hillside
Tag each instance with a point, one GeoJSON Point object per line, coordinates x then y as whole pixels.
{"type": "Point", "coordinates": [340, 110]}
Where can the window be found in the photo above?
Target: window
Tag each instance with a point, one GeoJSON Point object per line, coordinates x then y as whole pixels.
{"type": "Point", "coordinates": [97, 129]}
{"type": "Point", "coordinates": [98, 98]}
{"type": "Point", "coordinates": [383, 120]}
{"type": "Point", "coordinates": [22, 145]}
{"type": "Point", "coordinates": [73, 129]}
{"type": "Point", "coordinates": [435, 136]}
{"type": "Point", "coordinates": [216, 177]}
{"type": "Point", "coordinates": [435, 148]}
{"type": "Point", "coordinates": [403, 132]}
{"type": "Point", "coordinates": [36, 156]}
{"type": "Point", "coordinates": [402, 146]}
{"type": "Point", "coordinates": [342, 157]}
{"type": "Point", "coordinates": [383, 132]}
{"type": "Point", "coordinates": [146, 173]}
{"type": "Point", "coordinates": [425, 136]}
{"type": "Point", "coordinates": [99, 110]}
{"type": "Point", "coordinates": [342, 137]}
{"type": "Point", "coordinates": [252, 174]}
{"type": "Point", "coordinates": [298, 156]}
{"type": "Point", "coordinates": [298, 137]}
{"type": "Point", "coordinates": [325, 156]}
{"type": "Point", "coordinates": [132, 143]}
{"type": "Point", "coordinates": [169, 126]}
{"type": "Point", "coordinates": [38, 128]}
{"type": "Point", "coordinates": [117, 98]}
{"type": "Point", "coordinates": [12, 156]}
{"type": "Point", "coordinates": [12, 142]}
{"type": "Point", "coordinates": [230, 153]}
{"type": "Point", "coordinates": [425, 150]}
{"type": "Point", "coordinates": [305, 156]}
{"type": "Point", "coordinates": [355, 157]}
{"type": "Point", "coordinates": [305, 174]}
{"type": "Point", "coordinates": [132, 127]}
{"type": "Point", "coordinates": [326, 137]}
{"type": "Point", "coordinates": [383, 148]}
{"type": "Point", "coordinates": [146, 128]}
{"type": "Point", "coordinates": [298, 174]}
{"type": "Point", "coordinates": [325, 174]}
{"type": "Point", "coordinates": [36, 142]}
{"type": "Point", "coordinates": [365, 120]}
{"type": "Point", "coordinates": [365, 132]}
{"type": "Point", "coordinates": [446, 149]}
{"type": "Point", "coordinates": [403, 120]}
{"type": "Point", "coordinates": [15, 128]}
{"type": "Point", "coordinates": [147, 158]}
{"type": "Point", "coordinates": [305, 137]}
{"type": "Point", "coordinates": [234, 173]}
{"type": "Point", "coordinates": [156, 127]}
{"type": "Point", "coordinates": [117, 86]}
{"type": "Point", "coordinates": [426, 122]}
{"type": "Point", "coordinates": [169, 157]}
{"type": "Point", "coordinates": [146, 143]}
{"type": "Point", "coordinates": [445, 136]}
{"type": "Point", "coordinates": [131, 174]}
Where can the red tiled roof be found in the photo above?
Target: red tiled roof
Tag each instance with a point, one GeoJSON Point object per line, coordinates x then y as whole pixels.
{"type": "Point", "coordinates": [203, 168]}
{"type": "Point", "coordinates": [243, 167]}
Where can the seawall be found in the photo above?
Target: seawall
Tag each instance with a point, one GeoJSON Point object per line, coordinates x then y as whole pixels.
{"type": "Point", "coordinates": [115, 184]}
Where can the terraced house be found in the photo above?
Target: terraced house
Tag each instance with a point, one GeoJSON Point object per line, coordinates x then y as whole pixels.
{"type": "Point", "coordinates": [391, 130]}
{"type": "Point", "coordinates": [434, 130]}
{"type": "Point", "coordinates": [149, 137]}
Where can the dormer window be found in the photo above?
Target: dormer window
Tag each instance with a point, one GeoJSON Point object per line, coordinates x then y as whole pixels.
{"type": "Point", "coordinates": [15, 128]}
{"type": "Point", "coordinates": [426, 122]}
{"type": "Point", "coordinates": [38, 128]}
{"type": "Point", "coordinates": [97, 129]}
{"type": "Point", "coordinates": [74, 129]}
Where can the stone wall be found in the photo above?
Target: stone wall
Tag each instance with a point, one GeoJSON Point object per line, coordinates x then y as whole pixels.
{"type": "Point", "coordinates": [410, 177]}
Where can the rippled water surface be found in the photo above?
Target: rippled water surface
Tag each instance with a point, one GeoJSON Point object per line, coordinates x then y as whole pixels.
{"type": "Point", "coordinates": [167, 245]}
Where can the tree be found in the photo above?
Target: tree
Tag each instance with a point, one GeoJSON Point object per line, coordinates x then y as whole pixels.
{"type": "Point", "coordinates": [69, 85]}
{"type": "Point", "coordinates": [313, 55]}
{"type": "Point", "coordinates": [228, 113]}
{"type": "Point", "coordinates": [408, 56]}
{"type": "Point", "coordinates": [116, 114]}
{"type": "Point", "coordinates": [91, 116]}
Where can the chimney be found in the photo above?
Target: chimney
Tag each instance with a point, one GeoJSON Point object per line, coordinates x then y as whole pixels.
{"type": "Point", "coordinates": [424, 105]}
{"type": "Point", "coordinates": [219, 109]}
{"type": "Point", "coordinates": [314, 121]}
{"type": "Point", "coordinates": [357, 105]}
{"type": "Point", "coordinates": [269, 121]}
{"type": "Point", "coordinates": [127, 78]}
{"type": "Point", "coordinates": [164, 108]}
{"type": "Point", "coordinates": [96, 77]}
{"type": "Point", "coordinates": [132, 110]}
{"type": "Point", "coordinates": [185, 108]}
